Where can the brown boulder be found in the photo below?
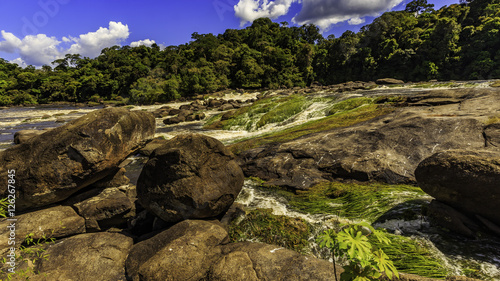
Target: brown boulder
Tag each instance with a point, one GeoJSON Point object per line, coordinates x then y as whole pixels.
{"type": "Point", "coordinates": [469, 181]}
{"type": "Point", "coordinates": [183, 252]}
{"type": "Point", "coordinates": [55, 222]}
{"type": "Point", "coordinates": [191, 176]}
{"type": "Point", "coordinates": [389, 81]}
{"type": "Point", "coordinates": [93, 256]}
{"type": "Point", "coordinates": [58, 163]}
{"type": "Point", "coordinates": [25, 135]}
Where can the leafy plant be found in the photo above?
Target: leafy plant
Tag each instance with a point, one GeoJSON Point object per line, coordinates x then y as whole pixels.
{"type": "Point", "coordinates": [365, 260]}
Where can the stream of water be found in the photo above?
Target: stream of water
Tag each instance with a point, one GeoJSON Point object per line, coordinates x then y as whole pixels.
{"type": "Point", "coordinates": [484, 252]}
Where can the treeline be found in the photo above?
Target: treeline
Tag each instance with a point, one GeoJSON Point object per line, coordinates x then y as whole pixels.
{"type": "Point", "coordinates": [461, 41]}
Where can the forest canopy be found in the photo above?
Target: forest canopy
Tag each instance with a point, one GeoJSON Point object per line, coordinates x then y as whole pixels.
{"type": "Point", "coordinates": [456, 42]}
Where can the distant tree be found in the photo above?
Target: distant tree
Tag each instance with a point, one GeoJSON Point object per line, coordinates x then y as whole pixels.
{"type": "Point", "coordinates": [419, 6]}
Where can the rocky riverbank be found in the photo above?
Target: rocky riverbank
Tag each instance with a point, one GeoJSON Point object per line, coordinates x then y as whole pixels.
{"type": "Point", "coordinates": [91, 223]}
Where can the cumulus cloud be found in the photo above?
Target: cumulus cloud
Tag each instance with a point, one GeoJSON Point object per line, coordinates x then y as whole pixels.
{"type": "Point", "coordinates": [41, 49]}
{"type": "Point", "coordinates": [11, 42]}
{"type": "Point", "coordinates": [325, 13]}
{"type": "Point", "coordinates": [250, 10]}
{"type": "Point", "coordinates": [91, 44]}
{"type": "Point", "coordinates": [33, 49]}
{"type": "Point", "coordinates": [146, 42]}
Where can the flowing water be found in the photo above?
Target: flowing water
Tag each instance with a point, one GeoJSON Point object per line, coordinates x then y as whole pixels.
{"type": "Point", "coordinates": [453, 252]}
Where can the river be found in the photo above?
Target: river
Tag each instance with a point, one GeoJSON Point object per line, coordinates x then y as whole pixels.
{"type": "Point", "coordinates": [483, 253]}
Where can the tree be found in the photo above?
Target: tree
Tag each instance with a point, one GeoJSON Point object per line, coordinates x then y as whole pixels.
{"type": "Point", "coordinates": [419, 6]}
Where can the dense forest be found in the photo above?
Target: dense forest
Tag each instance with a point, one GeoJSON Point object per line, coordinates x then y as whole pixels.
{"type": "Point", "coordinates": [457, 42]}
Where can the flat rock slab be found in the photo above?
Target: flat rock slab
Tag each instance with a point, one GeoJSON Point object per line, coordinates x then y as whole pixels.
{"type": "Point", "coordinates": [54, 165]}
{"type": "Point", "coordinates": [55, 222]}
{"type": "Point", "coordinates": [85, 257]}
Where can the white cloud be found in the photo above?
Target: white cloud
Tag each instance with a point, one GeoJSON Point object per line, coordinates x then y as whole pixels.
{"type": "Point", "coordinates": [20, 62]}
{"type": "Point", "coordinates": [250, 10]}
{"type": "Point", "coordinates": [325, 13]}
{"type": "Point", "coordinates": [11, 42]}
{"type": "Point", "coordinates": [146, 42]}
{"type": "Point", "coordinates": [40, 49]}
{"type": "Point", "coordinates": [91, 44]}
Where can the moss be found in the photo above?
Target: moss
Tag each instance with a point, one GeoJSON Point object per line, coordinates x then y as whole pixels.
{"type": "Point", "coordinates": [343, 119]}
{"type": "Point", "coordinates": [493, 120]}
{"type": "Point", "coordinates": [412, 256]}
{"type": "Point", "coordinates": [472, 269]}
{"type": "Point", "coordinates": [349, 104]}
{"type": "Point", "coordinates": [283, 111]}
{"type": "Point", "coordinates": [495, 84]}
{"type": "Point", "coordinates": [352, 200]}
{"type": "Point", "coordinates": [290, 233]}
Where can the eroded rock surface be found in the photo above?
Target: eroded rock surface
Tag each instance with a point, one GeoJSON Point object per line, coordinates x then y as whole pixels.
{"type": "Point", "coordinates": [189, 177]}
{"type": "Point", "coordinates": [58, 163]}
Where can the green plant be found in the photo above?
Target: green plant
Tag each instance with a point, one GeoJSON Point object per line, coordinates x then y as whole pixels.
{"type": "Point", "coordinates": [365, 260]}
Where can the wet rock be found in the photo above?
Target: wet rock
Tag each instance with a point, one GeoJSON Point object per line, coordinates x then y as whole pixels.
{"type": "Point", "coordinates": [25, 135]}
{"type": "Point", "coordinates": [184, 113]}
{"type": "Point", "coordinates": [183, 252]}
{"type": "Point", "coordinates": [466, 180]}
{"type": "Point", "coordinates": [174, 120]}
{"type": "Point", "coordinates": [450, 218]}
{"type": "Point", "coordinates": [226, 106]}
{"type": "Point", "coordinates": [93, 256]}
{"type": "Point", "coordinates": [55, 222]}
{"type": "Point", "coordinates": [62, 161]}
{"type": "Point", "coordinates": [174, 111]}
{"type": "Point", "coordinates": [228, 115]}
{"type": "Point", "coordinates": [387, 149]}
{"type": "Point", "coordinates": [191, 176]}
{"type": "Point", "coordinates": [389, 81]}
{"type": "Point", "coordinates": [110, 208]}
{"type": "Point", "coordinates": [214, 103]}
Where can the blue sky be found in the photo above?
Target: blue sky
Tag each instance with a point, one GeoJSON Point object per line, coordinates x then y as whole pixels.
{"type": "Point", "coordinates": [40, 31]}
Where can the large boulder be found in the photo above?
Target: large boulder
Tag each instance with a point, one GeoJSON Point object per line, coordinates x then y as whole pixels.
{"type": "Point", "coordinates": [93, 256]}
{"type": "Point", "coordinates": [191, 176]}
{"type": "Point", "coordinates": [55, 222]}
{"type": "Point", "coordinates": [469, 181]}
{"type": "Point", "coordinates": [54, 165]}
{"type": "Point", "coordinates": [259, 261]}
{"type": "Point", "coordinates": [183, 252]}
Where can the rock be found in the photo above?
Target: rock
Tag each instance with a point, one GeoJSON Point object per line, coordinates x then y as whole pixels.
{"type": "Point", "coordinates": [214, 103]}
{"type": "Point", "coordinates": [228, 115]}
{"type": "Point", "coordinates": [183, 252]}
{"type": "Point", "coordinates": [190, 118]}
{"type": "Point", "coordinates": [92, 256]}
{"type": "Point", "coordinates": [466, 180]}
{"type": "Point", "coordinates": [451, 219]}
{"type": "Point", "coordinates": [226, 106]}
{"type": "Point", "coordinates": [116, 180]}
{"type": "Point", "coordinates": [174, 120]}
{"type": "Point", "coordinates": [184, 113]}
{"type": "Point", "coordinates": [25, 135]}
{"type": "Point", "coordinates": [110, 208]}
{"type": "Point", "coordinates": [152, 145]}
{"type": "Point", "coordinates": [199, 116]}
{"type": "Point", "coordinates": [387, 149]}
{"type": "Point", "coordinates": [58, 163]}
{"type": "Point", "coordinates": [492, 136]}
{"type": "Point", "coordinates": [161, 112]}
{"type": "Point", "coordinates": [174, 111]}
{"type": "Point", "coordinates": [186, 107]}
{"type": "Point", "coordinates": [55, 222]}
{"type": "Point", "coordinates": [389, 81]}
{"type": "Point", "coordinates": [269, 262]}
{"type": "Point", "coordinates": [191, 176]}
